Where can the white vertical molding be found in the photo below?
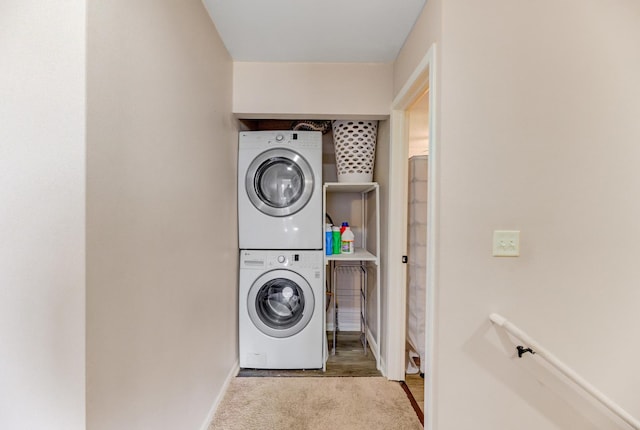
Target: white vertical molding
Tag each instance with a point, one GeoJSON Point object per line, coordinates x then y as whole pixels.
{"type": "Point", "coordinates": [378, 284]}
{"type": "Point", "coordinates": [397, 246]}
{"type": "Point", "coordinates": [432, 242]}
{"type": "Point", "coordinates": [423, 77]}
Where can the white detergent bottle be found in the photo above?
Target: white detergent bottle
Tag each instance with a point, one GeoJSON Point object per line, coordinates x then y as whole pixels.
{"type": "Point", "coordinates": [347, 241]}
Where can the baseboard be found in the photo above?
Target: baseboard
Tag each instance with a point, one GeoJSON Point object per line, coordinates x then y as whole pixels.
{"type": "Point", "coordinates": [383, 367]}
{"type": "Point", "coordinates": [232, 374]}
{"type": "Point", "coordinates": [373, 346]}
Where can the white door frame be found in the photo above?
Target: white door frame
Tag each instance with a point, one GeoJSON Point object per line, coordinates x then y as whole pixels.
{"type": "Point", "coordinates": [423, 78]}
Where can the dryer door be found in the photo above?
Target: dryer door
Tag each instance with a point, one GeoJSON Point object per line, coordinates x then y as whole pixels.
{"type": "Point", "coordinates": [279, 182]}
{"type": "Point", "coordinates": [280, 303]}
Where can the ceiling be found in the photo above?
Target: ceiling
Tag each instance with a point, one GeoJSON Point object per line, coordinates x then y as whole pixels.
{"type": "Point", "coordinates": [326, 31]}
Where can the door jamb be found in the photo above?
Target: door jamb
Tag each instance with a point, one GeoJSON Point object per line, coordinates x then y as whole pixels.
{"type": "Point", "coordinates": [423, 77]}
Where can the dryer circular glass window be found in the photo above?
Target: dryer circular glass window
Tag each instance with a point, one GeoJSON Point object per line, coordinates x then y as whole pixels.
{"type": "Point", "coordinates": [279, 182]}
{"type": "Point", "coordinates": [280, 303]}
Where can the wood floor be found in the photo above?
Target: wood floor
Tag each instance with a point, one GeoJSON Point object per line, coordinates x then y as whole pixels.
{"type": "Point", "coordinates": [415, 383]}
{"type": "Point", "coordinates": [349, 360]}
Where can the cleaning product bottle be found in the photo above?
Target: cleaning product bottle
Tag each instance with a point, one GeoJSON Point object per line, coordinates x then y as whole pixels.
{"type": "Point", "coordinates": [347, 241]}
{"type": "Point", "coordinates": [336, 240]}
{"type": "Point", "coordinates": [328, 239]}
{"type": "Point", "coordinates": [344, 226]}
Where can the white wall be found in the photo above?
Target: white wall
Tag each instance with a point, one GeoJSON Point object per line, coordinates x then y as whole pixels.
{"type": "Point", "coordinates": [42, 123]}
{"type": "Point", "coordinates": [314, 90]}
{"type": "Point", "coordinates": [538, 107]}
{"type": "Point", "coordinates": [161, 216]}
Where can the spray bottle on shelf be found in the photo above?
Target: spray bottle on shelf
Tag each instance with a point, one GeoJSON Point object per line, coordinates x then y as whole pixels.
{"type": "Point", "coordinates": [328, 239]}
{"type": "Point", "coordinates": [347, 241]}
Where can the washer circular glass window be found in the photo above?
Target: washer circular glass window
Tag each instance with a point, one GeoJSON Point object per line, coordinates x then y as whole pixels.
{"type": "Point", "coordinates": [280, 303]}
{"type": "Point", "coordinates": [279, 182]}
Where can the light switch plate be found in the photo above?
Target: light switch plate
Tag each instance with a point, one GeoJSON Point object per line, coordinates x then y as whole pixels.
{"type": "Point", "coordinates": [506, 243]}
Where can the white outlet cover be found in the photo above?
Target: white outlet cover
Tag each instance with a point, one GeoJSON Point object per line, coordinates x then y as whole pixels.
{"type": "Point", "coordinates": [506, 243]}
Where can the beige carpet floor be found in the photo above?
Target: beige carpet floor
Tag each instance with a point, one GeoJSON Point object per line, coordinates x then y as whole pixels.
{"type": "Point", "coordinates": [315, 404]}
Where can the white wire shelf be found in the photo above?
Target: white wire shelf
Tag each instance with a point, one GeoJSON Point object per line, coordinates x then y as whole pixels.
{"type": "Point", "coordinates": [359, 254]}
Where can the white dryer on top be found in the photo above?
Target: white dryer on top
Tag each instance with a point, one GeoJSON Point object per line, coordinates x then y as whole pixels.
{"type": "Point", "coordinates": [280, 190]}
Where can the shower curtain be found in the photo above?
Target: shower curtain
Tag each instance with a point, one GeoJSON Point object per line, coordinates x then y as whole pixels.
{"type": "Point", "coordinates": [417, 262]}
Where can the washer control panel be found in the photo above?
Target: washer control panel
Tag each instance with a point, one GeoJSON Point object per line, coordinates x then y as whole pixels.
{"type": "Point", "coordinates": [259, 259]}
{"type": "Point", "coordinates": [288, 259]}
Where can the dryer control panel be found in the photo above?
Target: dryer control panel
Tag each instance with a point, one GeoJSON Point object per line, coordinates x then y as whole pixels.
{"type": "Point", "coordinates": [280, 138]}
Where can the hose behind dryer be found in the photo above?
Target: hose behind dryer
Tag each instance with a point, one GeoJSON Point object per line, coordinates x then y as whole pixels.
{"type": "Point", "coordinates": [311, 125]}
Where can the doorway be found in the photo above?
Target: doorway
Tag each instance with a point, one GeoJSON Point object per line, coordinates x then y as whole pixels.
{"type": "Point", "coordinates": [416, 231]}
{"type": "Point", "coordinates": [421, 83]}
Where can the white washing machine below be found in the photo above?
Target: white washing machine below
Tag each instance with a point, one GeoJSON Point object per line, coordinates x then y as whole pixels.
{"type": "Point", "coordinates": [281, 309]}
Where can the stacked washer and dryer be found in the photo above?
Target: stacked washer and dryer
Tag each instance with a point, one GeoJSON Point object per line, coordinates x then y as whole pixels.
{"type": "Point", "coordinates": [280, 221]}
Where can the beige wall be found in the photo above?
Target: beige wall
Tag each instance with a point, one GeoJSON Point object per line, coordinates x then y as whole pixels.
{"type": "Point", "coordinates": [161, 216]}
{"type": "Point", "coordinates": [314, 90]}
{"type": "Point", "coordinates": [42, 124]}
{"type": "Point", "coordinates": [426, 30]}
{"type": "Point", "coordinates": [538, 107]}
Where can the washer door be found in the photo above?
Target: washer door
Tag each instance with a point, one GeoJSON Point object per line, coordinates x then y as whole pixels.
{"type": "Point", "coordinates": [279, 182]}
{"type": "Point", "coordinates": [280, 303]}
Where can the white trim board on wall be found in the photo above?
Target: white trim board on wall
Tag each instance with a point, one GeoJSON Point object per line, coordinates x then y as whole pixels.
{"type": "Point", "coordinates": [423, 78]}
{"type": "Point", "coordinates": [216, 402]}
